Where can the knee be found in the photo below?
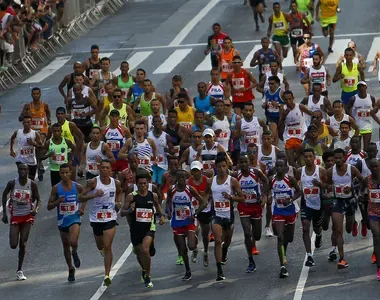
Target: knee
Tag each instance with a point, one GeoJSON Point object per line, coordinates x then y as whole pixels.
{"type": "Point", "coordinates": [192, 246]}
{"type": "Point", "coordinates": [74, 244]}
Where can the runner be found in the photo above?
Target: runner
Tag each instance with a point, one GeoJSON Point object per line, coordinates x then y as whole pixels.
{"type": "Point", "coordinates": [203, 101]}
{"type": "Point", "coordinates": [312, 178]}
{"type": "Point", "coordinates": [172, 94]}
{"type": "Point", "coordinates": [374, 65]}
{"type": "Point", "coordinates": [185, 112]}
{"type": "Point", "coordinates": [317, 73]}
{"type": "Point", "coordinates": [92, 65]}
{"type": "Point", "coordinates": [64, 197]}
{"type": "Point", "coordinates": [203, 185]}
{"type": "Point", "coordinates": [105, 195]}
{"type": "Point", "coordinates": [280, 37]}
{"type": "Point", "coordinates": [349, 74]}
{"type": "Point", "coordinates": [28, 141]}
{"type": "Point", "coordinates": [155, 105]}
{"type": "Point", "coordinates": [325, 132]}
{"type": "Point", "coordinates": [125, 80]}
{"type": "Point", "coordinates": [362, 107]}
{"type": "Point", "coordinates": [251, 210]}
{"type": "Point", "coordinates": [176, 131]}
{"type": "Point", "coordinates": [24, 204]}
{"type": "Point", "coordinates": [267, 152]}
{"type": "Point", "coordinates": [312, 142]}
{"type": "Point", "coordinates": [339, 116]}
{"type": "Point", "coordinates": [285, 191]}
{"type": "Point", "coordinates": [242, 82]}
{"type": "Point", "coordinates": [220, 124]}
{"type": "Point", "coordinates": [257, 9]}
{"type": "Point", "coordinates": [39, 111]}
{"type": "Point", "coordinates": [344, 203]}
{"type": "Point", "coordinates": [263, 85]}
{"type": "Point", "coordinates": [190, 154]}
{"type": "Point", "coordinates": [304, 57]}
{"type": "Point", "coordinates": [292, 127]}
{"type": "Point", "coordinates": [93, 152]}
{"type": "Point", "coordinates": [370, 186]}
{"type": "Point", "coordinates": [225, 189]}
{"type": "Point", "coordinates": [182, 215]}
{"type": "Point", "coordinates": [57, 150]}
{"type": "Point", "coordinates": [273, 100]}
{"type": "Point", "coordinates": [317, 102]}
{"type": "Point", "coordinates": [342, 141]}
{"type": "Point", "coordinates": [86, 90]}
{"type": "Point", "coordinates": [216, 88]}
{"type": "Point", "coordinates": [306, 7]}
{"type": "Point", "coordinates": [139, 206]}
{"type": "Point", "coordinates": [225, 57]}
{"type": "Point", "coordinates": [263, 57]}
{"type": "Point", "coordinates": [358, 58]}
{"type": "Point", "coordinates": [326, 15]}
{"type": "Point", "coordinates": [214, 44]}
{"type": "Point", "coordinates": [137, 88]}
{"type": "Point", "coordinates": [145, 99]}
{"type": "Point", "coordinates": [115, 136]}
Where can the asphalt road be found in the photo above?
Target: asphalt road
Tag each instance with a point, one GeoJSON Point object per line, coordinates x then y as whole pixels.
{"type": "Point", "coordinates": [154, 27]}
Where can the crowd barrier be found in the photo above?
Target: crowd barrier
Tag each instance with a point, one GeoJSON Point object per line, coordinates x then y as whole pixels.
{"type": "Point", "coordinates": [79, 17]}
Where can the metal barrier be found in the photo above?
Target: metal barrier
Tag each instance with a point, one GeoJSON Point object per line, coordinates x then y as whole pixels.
{"type": "Point", "coordinates": [78, 18]}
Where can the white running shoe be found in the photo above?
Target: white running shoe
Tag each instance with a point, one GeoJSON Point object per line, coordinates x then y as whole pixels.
{"type": "Point", "coordinates": [268, 232]}
{"type": "Point", "coordinates": [20, 275]}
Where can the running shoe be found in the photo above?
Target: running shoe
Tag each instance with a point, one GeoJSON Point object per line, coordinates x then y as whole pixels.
{"type": "Point", "coordinates": [76, 259]}
{"type": "Point", "coordinates": [255, 251]}
{"type": "Point", "coordinates": [309, 262]}
{"type": "Point", "coordinates": [342, 264]}
{"type": "Point", "coordinates": [179, 261]}
{"type": "Point", "coordinates": [224, 258]}
{"type": "Point", "coordinates": [355, 228]}
{"type": "Point", "coordinates": [373, 258]}
{"type": "Point", "coordinates": [20, 275]}
{"type": "Point", "coordinates": [332, 255]}
{"type": "Point", "coordinates": [107, 281]}
{"type": "Point", "coordinates": [211, 237]}
{"type": "Point", "coordinates": [364, 229]}
{"type": "Point", "coordinates": [318, 241]}
{"type": "Point", "coordinates": [187, 276]}
{"type": "Point", "coordinates": [283, 272]}
{"type": "Point", "coordinates": [251, 267]}
{"type": "Point", "coordinates": [378, 274]}
{"type": "Point", "coordinates": [102, 252]}
{"type": "Point", "coordinates": [220, 276]}
{"type": "Point", "coordinates": [194, 256]}
{"type": "Point", "coordinates": [152, 249]}
{"type": "Point", "coordinates": [148, 282]}
{"type": "Point", "coordinates": [330, 50]}
{"type": "Point", "coordinates": [268, 232]}
{"type": "Point", "coordinates": [71, 277]}
{"type": "Point", "coordinates": [205, 260]}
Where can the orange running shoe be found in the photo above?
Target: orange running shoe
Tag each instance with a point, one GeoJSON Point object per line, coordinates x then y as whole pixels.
{"type": "Point", "coordinates": [342, 264]}
{"type": "Point", "coordinates": [373, 258]}
{"type": "Point", "coordinates": [211, 237]}
{"type": "Point", "coordinates": [255, 251]}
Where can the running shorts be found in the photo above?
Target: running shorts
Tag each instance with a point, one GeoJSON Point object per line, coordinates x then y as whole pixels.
{"type": "Point", "coordinates": [253, 210]}
{"type": "Point", "coordinates": [184, 229]}
{"type": "Point", "coordinates": [282, 39]}
{"type": "Point", "coordinates": [289, 220]}
{"type": "Point", "coordinates": [344, 206]}
{"type": "Point", "coordinates": [99, 227]}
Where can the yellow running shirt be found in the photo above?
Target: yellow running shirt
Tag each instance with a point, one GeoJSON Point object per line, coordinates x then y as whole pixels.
{"type": "Point", "coordinates": [280, 24]}
{"type": "Point", "coordinates": [350, 81]}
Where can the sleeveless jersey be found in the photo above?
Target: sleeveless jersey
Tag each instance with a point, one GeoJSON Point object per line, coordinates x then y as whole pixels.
{"type": "Point", "coordinates": [266, 58]}
{"type": "Point", "coordinates": [115, 139]}
{"type": "Point", "coordinates": [223, 207]}
{"type": "Point", "coordinates": [311, 194]}
{"type": "Point", "coordinates": [60, 155]}
{"type": "Point", "coordinates": [361, 111]}
{"type": "Point", "coordinates": [26, 153]}
{"type": "Point", "coordinates": [143, 215]}
{"type": "Point", "coordinates": [282, 191]}
{"type": "Point", "coordinates": [226, 63]}
{"type": "Point", "coordinates": [67, 211]}
{"type": "Point", "coordinates": [313, 107]}
{"type": "Point", "coordinates": [39, 118]}
{"type": "Point", "coordinates": [270, 110]}
{"type": "Point", "coordinates": [373, 198]}
{"type": "Point", "coordinates": [204, 104]}
{"type": "Point", "coordinates": [21, 199]}
{"type": "Point", "coordinates": [350, 81]}
{"type": "Point", "coordinates": [91, 158]}
{"type": "Point", "coordinates": [280, 25]}
{"type": "Point", "coordinates": [318, 76]}
{"type": "Point", "coordinates": [222, 137]}
{"type": "Point", "coordinates": [342, 184]}
{"type": "Point", "coordinates": [182, 208]}
{"type": "Point", "coordinates": [250, 187]}
{"type": "Point", "coordinates": [241, 80]}
{"type": "Point", "coordinates": [268, 160]}
{"type": "Point", "coordinates": [216, 91]}
{"type": "Point", "coordinates": [200, 189]}
{"type": "Point", "coordinates": [161, 143]}
{"type": "Point", "coordinates": [252, 133]}
{"type": "Point", "coordinates": [295, 126]}
{"type": "Point", "coordinates": [208, 156]}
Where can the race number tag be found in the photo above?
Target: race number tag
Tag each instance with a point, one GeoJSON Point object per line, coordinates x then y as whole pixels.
{"type": "Point", "coordinates": [182, 213]}
{"type": "Point", "coordinates": [68, 208]}
{"type": "Point", "coordinates": [38, 123]}
{"type": "Point", "coordinates": [297, 33]}
{"type": "Point", "coordinates": [79, 113]}
{"type": "Point", "coordinates": [144, 162]}
{"type": "Point", "coordinates": [102, 92]}
{"type": "Point", "coordinates": [114, 145]}
{"type": "Point", "coordinates": [21, 196]}
{"type": "Point", "coordinates": [144, 215]}
{"type": "Point", "coordinates": [176, 150]}
{"type": "Point", "coordinates": [124, 92]}
{"type": "Point", "coordinates": [308, 62]}
{"type": "Point", "coordinates": [93, 166]}
{"type": "Point", "coordinates": [26, 151]}
{"type": "Point", "coordinates": [187, 125]}
{"type": "Point", "coordinates": [310, 192]}
{"type": "Point", "coordinates": [208, 164]}
{"type": "Point", "coordinates": [103, 214]}
{"type": "Point", "coordinates": [226, 66]}
{"type": "Point", "coordinates": [294, 131]}
{"type": "Point", "coordinates": [265, 68]}
{"type": "Point", "coordinates": [318, 160]}
{"type": "Point", "coordinates": [223, 135]}
{"type": "Point", "coordinates": [195, 203]}
{"type": "Point", "coordinates": [364, 113]}
{"type": "Point", "coordinates": [250, 198]}
{"type": "Point", "coordinates": [92, 73]}
{"type": "Point", "coordinates": [342, 191]}
{"type": "Point", "coordinates": [349, 81]}
{"type": "Point", "coordinates": [222, 205]}
{"type": "Point", "coordinates": [251, 137]}
{"type": "Point", "coordinates": [58, 159]}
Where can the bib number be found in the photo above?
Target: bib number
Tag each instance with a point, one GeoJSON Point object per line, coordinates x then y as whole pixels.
{"type": "Point", "coordinates": [38, 123]}
{"type": "Point", "coordinates": [103, 215]}
{"type": "Point", "coordinates": [58, 159]}
{"type": "Point", "coordinates": [27, 151]}
{"type": "Point", "coordinates": [114, 145]}
{"type": "Point", "coordinates": [374, 195]}
{"type": "Point", "coordinates": [144, 215]}
{"type": "Point", "coordinates": [22, 196]}
{"type": "Point", "coordinates": [67, 209]}
{"type": "Point", "coordinates": [363, 114]}
{"type": "Point", "coordinates": [349, 82]}
{"type": "Point", "coordinates": [310, 192]}
{"type": "Point", "coordinates": [222, 205]}
{"type": "Point", "coordinates": [208, 164]}
{"type": "Point", "coordinates": [92, 73]}
{"type": "Point", "coordinates": [187, 125]}
{"type": "Point", "coordinates": [297, 33]}
{"type": "Point", "coordinates": [182, 213]}
{"type": "Point", "coordinates": [342, 191]}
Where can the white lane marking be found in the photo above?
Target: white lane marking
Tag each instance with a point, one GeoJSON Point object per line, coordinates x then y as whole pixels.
{"type": "Point", "coordinates": [249, 57]}
{"type": "Point", "coordinates": [375, 46]}
{"type": "Point", "coordinates": [134, 61]}
{"type": "Point", "coordinates": [113, 272]}
{"type": "Point", "coordinates": [289, 60]}
{"type": "Point", "coordinates": [172, 61]}
{"type": "Point", "coordinates": [304, 274]}
{"type": "Point", "coordinates": [49, 70]}
{"type": "Point", "coordinates": [205, 65]}
{"type": "Point", "coordinates": [105, 54]}
{"type": "Point", "coordinates": [339, 47]}
{"type": "Point", "coordinates": [193, 22]}
{"type": "Point", "coordinates": [204, 44]}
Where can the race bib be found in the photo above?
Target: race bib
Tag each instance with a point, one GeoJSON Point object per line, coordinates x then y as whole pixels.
{"type": "Point", "coordinates": [38, 123]}
{"type": "Point", "coordinates": [21, 196]}
{"type": "Point", "coordinates": [79, 113]}
{"type": "Point", "coordinates": [102, 92]}
{"type": "Point", "coordinates": [374, 195]}
{"type": "Point", "coordinates": [318, 160]}
{"type": "Point", "coordinates": [226, 66]}
{"type": "Point", "coordinates": [182, 213]}
{"type": "Point", "coordinates": [251, 198]}
{"type": "Point", "coordinates": [208, 164]}
{"type": "Point", "coordinates": [92, 73]}
{"type": "Point", "coordinates": [26, 151]}
{"type": "Point", "coordinates": [187, 125]}
{"type": "Point", "coordinates": [294, 131]}
{"type": "Point", "coordinates": [92, 166]}
{"type": "Point", "coordinates": [279, 25]}
{"type": "Point", "coordinates": [114, 145]}
{"type": "Point", "coordinates": [283, 202]}
{"type": "Point", "coordinates": [297, 33]}
{"type": "Point", "coordinates": [349, 81]}
{"type": "Point", "coordinates": [308, 62]}
{"type": "Point", "coordinates": [103, 214]}
{"type": "Point", "coordinates": [144, 162]}
{"type": "Point", "coordinates": [364, 113]}
{"type": "Point", "coordinates": [265, 68]}
{"type": "Point", "coordinates": [176, 150]}
{"type": "Point", "coordinates": [222, 205]}
{"type": "Point", "coordinates": [342, 191]}
{"type": "Point", "coordinates": [144, 215]}
{"type": "Point", "coordinates": [58, 159]}
{"type": "Point", "coordinates": [195, 203]}
{"type": "Point", "coordinates": [67, 208]}
{"type": "Point", "coordinates": [223, 135]}
{"type": "Point", "coordinates": [238, 83]}
{"type": "Point", "coordinates": [160, 159]}
{"type": "Point", "coordinates": [251, 137]}
{"type": "Point", "coordinates": [310, 192]}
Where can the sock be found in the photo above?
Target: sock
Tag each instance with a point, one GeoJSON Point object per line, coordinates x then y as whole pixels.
{"type": "Point", "coordinates": [219, 267]}
{"type": "Point", "coordinates": [340, 258]}
{"type": "Point", "coordinates": [224, 251]}
{"type": "Point", "coordinates": [309, 255]}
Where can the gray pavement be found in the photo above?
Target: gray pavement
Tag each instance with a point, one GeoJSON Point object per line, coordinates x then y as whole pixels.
{"type": "Point", "coordinates": [152, 26]}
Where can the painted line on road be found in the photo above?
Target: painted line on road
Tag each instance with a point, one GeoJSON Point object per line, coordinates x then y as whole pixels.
{"type": "Point", "coordinates": [193, 22]}
{"type": "Point", "coordinates": [304, 274]}
{"type": "Point", "coordinates": [113, 272]}
{"type": "Point", "coordinates": [204, 44]}
{"type": "Point", "coordinates": [375, 46]}
{"type": "Point", "coordinates": [172, 61]}
{"type": "Point", "coordinates": [205, 65]}
{"type": "Point", "coordinates": [247, 61]}
{"type": "Point", "coordinates": [134, 61]}
{"type": "Point", "coordinates": [49, 70]}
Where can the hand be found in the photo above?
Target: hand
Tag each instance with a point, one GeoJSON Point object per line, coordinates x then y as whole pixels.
{"type": "Point", "coordinates": [81, 211]}
{"type": "Point", "coordinates": [162, 220]}
{"type": "Point", "coordinates": [207, 51]}
{"type": "Point", "coordinates": [30, 141]}
{"type": "Point", "coordinates": [5, 219]}
{"type": "Point", "coordinates": [286, 112]}
{"type": "Point", "coordinates": [99, 193]}
{"type": "Point", "coordinates": [226, 196]}
{"type": "Point", "coordinates": [61, 199]}
{"type": "Point", "coordinates": [316, 182]}
{"type": "Point", "coordinates": [346, 189]}
{"type": "Point", "coordinates": [132, 207]}
{"type": "Point", "coordinates": [12, 153]}
{"type": "Point", "coordinates": [177, 90]}
{"type": "Point", "coordinates": [34, 212]}
{"type": "Point", "coordinates": [51, 154]}
{"type": "Point", "coordinates": [341, 76]}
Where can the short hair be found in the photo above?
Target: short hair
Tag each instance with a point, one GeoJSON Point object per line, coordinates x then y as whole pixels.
{"type": "Point", "coordinates": [327, 154]}
{"type": "Point", "coordinates": [216, 24]}
{"type": "Point", "coordinates": [56, 125]}
{"type": "Point", "coordinates": [267, 132]}
{"type": "Point", "coordinates": [93, 47]}
{"type": "Point", "coordinates": [64, 166]}
{"type": "Point", "coordinates": [317, 84]}
{"type": "Point", "coordinates": [227, 38]}
{"type": "Point", "coordinates": [349, 50]}
{"type": "Point", "coordinates": [214, 70]}
{"type": "Point", "coordinates": [274, 78]}
{"type": "Point", "coordinates": [345, 123]}
{"type": "Point", "coordinates": [183, 96]}
{"type": "Point", "coordinates": [36, 89]}
{"type": "Point", "coordinates": [141, 70]}
{"type": "Point", "coordinates": [197, 131]}
{"type": "Point", "coordinates": [220, 157]}
{"type": "Point", "coordinates": [248, 104]}
{"type": "Point", "coordinates": [124, 62]}
{"type": "Point", "coordinates": [337, 101]}
{"type": "Point", "coordinates": [201, 82]}
{"type": "Point", "coordinates": [26, 117]}
{"type": "Point", "coordinates": [117, 90]}
{"type": "Point", "coordinates": [172, 111]}
{"type": "Point", "coordinates": [355, 137]}
{"type": "Point", "coordinates": [177, 78]}
{"type": "Point", "coordinates": [339, 151]}
{"type": "Point", "coordinates": [236, 57]}
{"type": "Point", "coordinates": [288, 92]}
{"type": "Point", "coordinates": [276, 3]}
{"type": "Point", "coordinates": [103, 59]}
{"type": "Point", "coordinates": [147, 80]}
{"type": "Point", "coordinates": [317, 54]}
{"type": "Point", "coordinates": [140, 122]}
{"type": "Point", "coordinates": [265, 38]}
{"type": "Point", "coordinates": [142, 174]}
{"type": "Point", "coordinates": [199, 112]}
{"type": "Point", "coordinates": [309, 150]}
{"type": "Point", "coordinates": [95, 127]}
{"type": "Point", "coordinates": [105, 161]}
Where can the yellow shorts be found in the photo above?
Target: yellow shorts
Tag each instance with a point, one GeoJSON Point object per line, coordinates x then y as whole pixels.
{"type": "Point", "coordinates": [365, 131]}
{"type": "Point", "coordinates": [325, 22]}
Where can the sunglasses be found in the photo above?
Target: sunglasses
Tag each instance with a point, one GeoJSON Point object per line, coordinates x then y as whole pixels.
{"type": "Point", "coordinates": [252, 152]}
{"type": "Point", "coordinates": [306, 38]}
{"type": "Point", "coordinates": [236, 62]}
{"type": "Point", "coordinates": [116, 96]}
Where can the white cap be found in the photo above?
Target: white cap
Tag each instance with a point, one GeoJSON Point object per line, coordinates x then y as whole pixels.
{"type": "Point", "coordinates": [208, 131]}
{"type": "Point", "coordinates": [362, 83]}
{"type": "Point", "coordinates": [196, 165]}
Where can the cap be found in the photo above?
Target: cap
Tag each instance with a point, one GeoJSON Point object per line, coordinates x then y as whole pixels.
{"type": "Point", "coordinates": [115, 112]}
{"type": "Point", "coordinates": [362, 83]}
{"type": "Point", "coordinates": [208, 131]}
{"type": "Point", "coordinates": [60, 110]}
{"type": "Point", "coordinates": [196, 165]}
